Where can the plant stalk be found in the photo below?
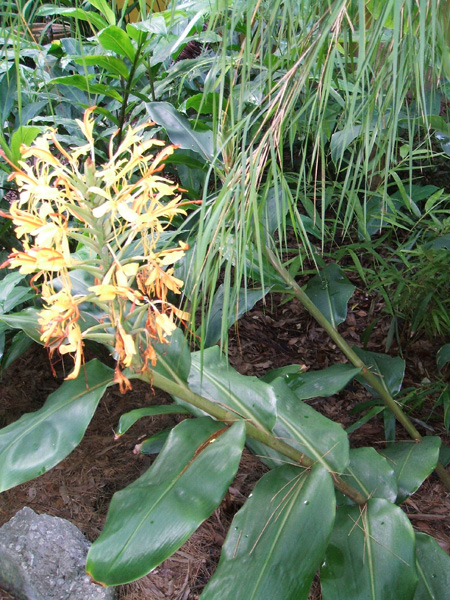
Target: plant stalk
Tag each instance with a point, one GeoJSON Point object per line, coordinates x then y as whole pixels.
{"type": "Point", "coordinates": [221, 414]}
{"type": "Point", "coordinates": [370, 377]}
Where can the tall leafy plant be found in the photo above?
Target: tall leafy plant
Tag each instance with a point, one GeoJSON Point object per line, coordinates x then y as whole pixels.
{"type": "Point", "coordinates": [300, 83]}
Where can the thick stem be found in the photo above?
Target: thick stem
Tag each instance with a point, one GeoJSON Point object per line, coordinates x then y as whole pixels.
{"type": "Point", "coordinates": [370, 377]}
{"type": "Point", "coordinates": [216, 411]}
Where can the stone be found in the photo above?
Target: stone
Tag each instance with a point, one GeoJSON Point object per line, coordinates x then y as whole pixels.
{"type": "Point", "coordinates": [44, 558]}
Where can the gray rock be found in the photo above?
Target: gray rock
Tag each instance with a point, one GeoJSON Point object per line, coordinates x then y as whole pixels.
{"type": "Point", "coordinates": [44, 558]}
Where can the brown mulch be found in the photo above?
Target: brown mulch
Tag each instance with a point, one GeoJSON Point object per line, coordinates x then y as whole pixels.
{"type": "Point", "coordinates": [272, 335]}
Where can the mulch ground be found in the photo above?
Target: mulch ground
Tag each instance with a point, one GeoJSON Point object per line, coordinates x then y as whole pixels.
{"type": "Point", "coordinates": [272, 335]}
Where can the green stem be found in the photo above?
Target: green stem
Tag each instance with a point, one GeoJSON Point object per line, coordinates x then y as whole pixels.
{"type": "Point", "coordinates": [221, 414]}
{"type": "Point", "coordinates": [370, 377]}
{"type": "Point", "coordinates": [127, 92]}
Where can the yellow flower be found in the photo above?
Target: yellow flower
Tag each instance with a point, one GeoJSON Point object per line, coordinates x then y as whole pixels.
{"type": "Point", "coordinates": [37, 259]}
{"type": "Point", "coordinates": [24, 221]}
{"type": "Point", "coordinates": [59, 326]}
{"type": "Point", "coordinates": [125, 346]}
{"type": "Point", "coordinates": [164, 326]}
{"type": "Point", "coordinates": [109, 292]}
{"type": "Point", "coordinates": [73, 344]}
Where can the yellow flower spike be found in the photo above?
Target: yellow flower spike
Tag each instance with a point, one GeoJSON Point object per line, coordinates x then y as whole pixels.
{"type": "Point", "coordinates": [65, 196]}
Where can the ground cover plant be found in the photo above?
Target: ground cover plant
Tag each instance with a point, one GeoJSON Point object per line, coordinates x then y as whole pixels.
{"type": "Point", "coordinates": [296, 128]}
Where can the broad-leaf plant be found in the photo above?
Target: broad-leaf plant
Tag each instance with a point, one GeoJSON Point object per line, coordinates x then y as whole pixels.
{"type": "Point", "coordinates": [93, 228]}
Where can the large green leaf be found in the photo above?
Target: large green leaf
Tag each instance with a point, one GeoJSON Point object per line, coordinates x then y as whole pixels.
{"type": "Point", "coordinates": [391, 369]}
{"type": "Point", "coordinates": [330, 291]}
{"type": "Point", "coordinates": [211, 376]}
{"type": "Point", "coordinates": [83, 15]}
{"type": "Point", "coordinates": [82, 83]}
{"type": "Point", "coordinates": [433, 567]}
{"type": "Point", "coordinates": [151, 518]}
{"type": "Point", "coordinates": [112, 64]}
{"type": "Point", "coordinates": [114, 38]}
{"type": "Point", "coordinates": [277, 540]}
{"type": "Point", "coordinates": [307, 430]}
{"type": "Point", "coordinates": [412, 463]}
{"type": "Point", "coordinates": [40, 440]}
{"type": "Point", "coordinates": [179, 129]}
{"type": "Point", "coordinates": [371, 555]}
{"type": "Point", "coordinates": [314, 384]}
{"type": "Point", "coordinates": [26, 320]}
{"type": "Point", "coordinates": [371, 474]}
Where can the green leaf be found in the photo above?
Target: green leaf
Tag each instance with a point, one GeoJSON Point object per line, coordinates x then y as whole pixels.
{"type": "Point", "coordinates": [433, 567]}
{"type": "Point", "coordinates": [391, 370]}
{"type": "Point", "coordinates": [375, 410]}
{"type": "Point", "coordinates": [19, 344]}
{"type": "Point", "coordinates": [443, 356]}
{"type": "Point", "coordinates": [310, 432]}
{"type": "Point", "coordinates": [26, 320]}
{"type": "Point", "coordinates": [154, 443]}
{"type": "Point", "coordinates": [40, 440]}
{"type": "Point", "coordinates": [315, 384]}
{"type": "Point", "coordinates": [151, 518]}
{"type": "Point", "coordinates": [105, 9]}
{"type": "Point", "coordinates": [82, 83]}
{"type": "Point", "coordinates": [371, 474]}
{"type": "Point", "coordinates": [78, 13]}
{"type": "Point", "coordinates": [212, 377]}
{"type": "Point", "coordinates": [258, 267]}
{"type": "Point", "coordinates": [341, 140]}
{"type": "Point", "coordinates": [371, 555]}
{"type": "Point", "coordinates": [204, 104]}
{"type": "Point", "coordinates": [115, 39]}
{"type": "Point", "coordinates": [330, 291]}
{"type": "Point", "coordinates": [277, 540]}
{"type": "Point", "coordinates": [128, 419]}
{"type": "Point", "coordinates": [112, 64]}
{"type": "Point", "coordinates": [179, 129]}
{"type": "Point", "coordinates": [23, 135]}
{"type": "Point", "coordinates": [154, 24]}
{"type": "Point", "coordinates": [174, 358]}
{"type": "Point", "coordinates": [12, 294]}
{"type": "Point", "coordinates": [412, 463]}
{"type": "Point", "coordinates": [8, 93]}
{"type": "Point", "coordinates": [246, 301]}
{"type": "Point", "coordinates": [444, 455]}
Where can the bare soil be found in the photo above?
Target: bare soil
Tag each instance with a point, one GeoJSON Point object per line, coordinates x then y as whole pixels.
{"type": "Point", "coordinates": [273, 334]}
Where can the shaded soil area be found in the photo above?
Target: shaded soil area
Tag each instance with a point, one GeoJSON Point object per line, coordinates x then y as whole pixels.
{"type": "Point", "coordinates": [272, 335]}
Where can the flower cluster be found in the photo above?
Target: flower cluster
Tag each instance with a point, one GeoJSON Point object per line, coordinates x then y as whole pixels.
{"type": "Point", "coordinates": [105, 221]}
